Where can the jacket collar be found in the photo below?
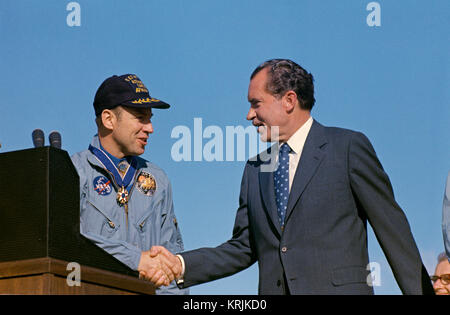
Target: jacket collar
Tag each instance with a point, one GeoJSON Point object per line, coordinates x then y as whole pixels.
{"type": "Point", "coordinates": [94, 161]}
{"type": "Point", "coordinates": [312, 156]}
{"type": "Point", "coordinates": [91, 157]}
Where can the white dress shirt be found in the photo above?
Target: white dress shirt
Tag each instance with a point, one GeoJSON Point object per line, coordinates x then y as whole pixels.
{"type": "Point", "coordinates": [296, 142]}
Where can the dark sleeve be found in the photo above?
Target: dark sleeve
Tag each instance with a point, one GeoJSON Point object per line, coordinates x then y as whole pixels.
{"type": "Point", "coordinates": [373, 192]}
{"type": "Point", "coordinates": [207, 264]}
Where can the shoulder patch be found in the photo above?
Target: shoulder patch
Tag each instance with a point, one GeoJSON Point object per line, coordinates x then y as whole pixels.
{"type": "Point", "coordinates": [146, 183]}
{"type": "Point", "coordinates": [102, 185]}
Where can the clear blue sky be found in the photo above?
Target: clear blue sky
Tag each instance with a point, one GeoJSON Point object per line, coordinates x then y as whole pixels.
{"type": "Point", "coordinates": [389, 81]}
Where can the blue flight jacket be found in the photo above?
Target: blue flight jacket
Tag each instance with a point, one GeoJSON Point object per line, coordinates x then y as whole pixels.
{"type": "Point", "coordinates": [150, 219]}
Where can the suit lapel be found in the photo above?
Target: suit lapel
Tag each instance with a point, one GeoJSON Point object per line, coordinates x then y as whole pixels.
{"type": "Point", "coordinates": [312, 155]}
{"type": "Point", "coordinates": [267, 189]}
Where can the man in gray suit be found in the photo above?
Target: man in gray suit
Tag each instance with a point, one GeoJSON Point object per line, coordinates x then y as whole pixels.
{"type": "Point", "coordinates": [446, 216]}
{"type": "Point", "coordinates": [306, 222]}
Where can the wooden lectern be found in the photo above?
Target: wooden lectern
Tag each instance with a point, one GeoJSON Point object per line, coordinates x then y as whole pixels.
{"type": "Point", "coordinates": [40, 232]}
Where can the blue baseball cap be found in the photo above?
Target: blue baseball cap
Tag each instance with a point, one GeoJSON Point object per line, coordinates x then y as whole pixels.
{"type": "Point", "coordinates": [125, 90]}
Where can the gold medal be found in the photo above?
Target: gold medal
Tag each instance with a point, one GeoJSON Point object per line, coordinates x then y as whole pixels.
{"type": "Point", "coordinates": [122, 196]}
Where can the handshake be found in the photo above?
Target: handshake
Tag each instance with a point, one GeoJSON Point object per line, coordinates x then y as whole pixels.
{"type": "Point", "coordinates": [159, 266]}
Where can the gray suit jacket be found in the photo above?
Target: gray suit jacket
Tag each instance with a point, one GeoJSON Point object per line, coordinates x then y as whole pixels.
{"type": "Point", "coordinates": [339, 185]}
{"type": "Point", "coordinates": [446, 216]}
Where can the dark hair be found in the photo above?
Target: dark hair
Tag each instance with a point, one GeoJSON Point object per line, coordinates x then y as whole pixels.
{"type": "Point", "coordinates": [442, 256]}
{"type": "Point", "coordinates": [117, 111]}
{"type": "Point", "coordinates": [285, 75]}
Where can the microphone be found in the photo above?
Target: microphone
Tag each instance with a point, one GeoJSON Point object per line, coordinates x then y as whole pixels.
{"type": "Point", "coordinates": [55, 139]}
{"type": "Point", "coordinates": [38, 138]}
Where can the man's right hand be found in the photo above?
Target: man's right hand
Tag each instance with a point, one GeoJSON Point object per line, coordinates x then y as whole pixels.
{"type": "Point", "coordinates": [170, 261]}
{"type": "Point", "coordinates": [153, 270]}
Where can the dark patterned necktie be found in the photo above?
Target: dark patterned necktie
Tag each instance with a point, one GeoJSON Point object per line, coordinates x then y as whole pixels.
{"type": "Point", "coordinates": [281, 181]}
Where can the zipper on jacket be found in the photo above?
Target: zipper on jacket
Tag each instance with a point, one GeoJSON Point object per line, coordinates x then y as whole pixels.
{"type": "Point", "coordinates": [141, 226]}
{"type": "Point", "coordinates": [125, 206]}
{"type": "Point", "coordinates": [111, 223]}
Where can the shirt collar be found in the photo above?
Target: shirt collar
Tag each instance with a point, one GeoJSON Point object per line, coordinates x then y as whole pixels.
{"type": "Point", "coordinates": [298, 139]}
{"type": "Point", "coordinates": [114, 159]}
{"type": "Point", "coordinates": [96, 143]}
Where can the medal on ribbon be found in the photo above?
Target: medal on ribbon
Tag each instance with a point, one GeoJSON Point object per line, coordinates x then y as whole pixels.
{"type": "Point", "coordinates": [122, 196]}
{"type": "Point", "coordinates": [120, 182]}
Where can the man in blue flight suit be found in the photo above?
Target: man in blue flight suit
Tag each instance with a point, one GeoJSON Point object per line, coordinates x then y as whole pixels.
{"type": "Point", "coordinates": [126, 201]}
